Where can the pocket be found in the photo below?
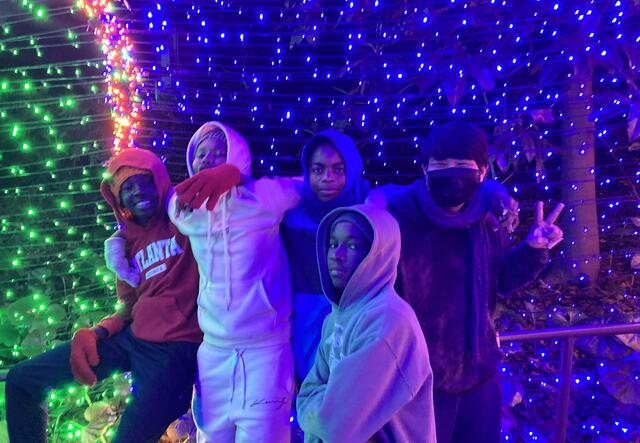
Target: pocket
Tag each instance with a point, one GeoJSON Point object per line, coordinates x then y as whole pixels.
{"type": "Point", "coordinates": [265, 298]}
{"type": "Point", "coordinates": [156, 316]}
{"type": "Point", "coordinates": [247, 313]}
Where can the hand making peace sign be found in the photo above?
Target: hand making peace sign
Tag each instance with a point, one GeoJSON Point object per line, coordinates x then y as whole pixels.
{"type": "Point", "coordinates": [544, 233]}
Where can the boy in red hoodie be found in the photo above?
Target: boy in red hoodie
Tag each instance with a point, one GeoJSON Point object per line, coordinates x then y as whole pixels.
{"type": "Point", "coordinates": [155, 335]}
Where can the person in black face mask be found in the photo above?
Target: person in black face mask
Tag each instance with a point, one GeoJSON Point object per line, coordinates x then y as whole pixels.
{"type": "Point", "coordinates": [454, 260]}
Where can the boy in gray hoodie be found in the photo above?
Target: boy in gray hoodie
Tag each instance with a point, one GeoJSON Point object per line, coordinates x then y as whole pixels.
{"type": "Point", "coordinates": [371, 379]}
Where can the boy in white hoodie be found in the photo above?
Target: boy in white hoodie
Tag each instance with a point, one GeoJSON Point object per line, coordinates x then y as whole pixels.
{"type": "Point", "coordinates": [245, 365]}
{"type": "Point", "coordinates": [371, 379]}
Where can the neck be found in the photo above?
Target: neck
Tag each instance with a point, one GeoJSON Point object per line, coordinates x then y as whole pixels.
{"type": "Point", "coordinates": [338, 295]}
{"type": "Point", "coordinates": [142, 222]}
{"type": "Point", "coordinates": [454, 209]}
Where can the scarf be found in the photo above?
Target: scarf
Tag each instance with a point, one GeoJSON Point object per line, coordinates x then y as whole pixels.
{"type": "Point", "coordinates": [472, 216]}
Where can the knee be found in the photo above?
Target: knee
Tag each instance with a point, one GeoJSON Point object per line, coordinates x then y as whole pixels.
{"type": "Point", "coordinates": [15, 379]}
{"type": "Point", "coordinates": [18, 379]}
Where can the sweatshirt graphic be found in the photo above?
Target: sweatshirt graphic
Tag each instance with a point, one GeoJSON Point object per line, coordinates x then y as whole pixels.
{"type": "Point", "coordinates": [371, 380]}
{"type": "Point", "coordinates": [245, 284]}
{"type": "Point", "coordinates": [163, 307]}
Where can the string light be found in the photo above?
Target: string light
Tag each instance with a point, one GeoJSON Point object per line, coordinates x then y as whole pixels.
{"type": "Point", "coordinates": [123, 75]}
{"type": "Point", "coordinates": [382, 73]}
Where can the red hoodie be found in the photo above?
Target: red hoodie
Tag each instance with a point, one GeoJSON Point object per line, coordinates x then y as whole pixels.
{"type": "Point", "coordinates": [163, 307]}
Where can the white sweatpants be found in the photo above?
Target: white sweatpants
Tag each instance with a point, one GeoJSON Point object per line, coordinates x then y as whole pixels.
{"type": "Point", "coordinates": [243, 395]}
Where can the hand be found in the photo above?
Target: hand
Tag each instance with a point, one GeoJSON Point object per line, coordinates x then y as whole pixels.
{"type": "Point", "coordinates": [113, 324]}
{"type": "Point", "coordinates": [544, 233]}
{"type": "Point", "coordinates": [505, 208]}
{"type": "Point", "coordinates": [207, 184]}
{"type": "Point", "coordinates": [84, 354]}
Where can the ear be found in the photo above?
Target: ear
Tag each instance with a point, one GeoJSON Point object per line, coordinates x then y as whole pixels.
{"type": "Point", "coordinates": [126, 214]}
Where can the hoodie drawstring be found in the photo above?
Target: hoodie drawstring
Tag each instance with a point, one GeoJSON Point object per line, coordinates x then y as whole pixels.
{"type": "Point", "coordinates": [207, 274]}
{"type": "Point", "coordinates": [239, 357]}
{"type": "Point", "coordinates": [227, 255]}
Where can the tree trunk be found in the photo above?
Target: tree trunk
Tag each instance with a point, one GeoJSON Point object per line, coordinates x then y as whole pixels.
{"type": "Point", "coordinates": [580, 222]}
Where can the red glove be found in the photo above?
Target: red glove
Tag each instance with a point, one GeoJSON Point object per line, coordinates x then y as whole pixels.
{"type": "Point", "coordinates": [113, 324]}
{"type": "Point", "coordinates": [207, 184]}
{"type": "Point", "coordinates": [84, 354]}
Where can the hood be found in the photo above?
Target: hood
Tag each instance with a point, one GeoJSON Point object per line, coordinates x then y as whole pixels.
{"type": "Point", "coordinates": [238, 153]}
{"type": "Point", "coordinates": [142, 159]}
{"type": "Point", "coordinates": [355, 188]}
{"type": "Point", "coordinates": [347, 149]}
{"type": "Point", "coordinates": [379, 267]}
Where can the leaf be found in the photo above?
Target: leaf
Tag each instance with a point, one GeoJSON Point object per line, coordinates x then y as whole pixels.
{"type": "Point", "coordinates": [633, 129]}
{"type": "Point", "coordinates": [9, 335]}
{"type": "Point", "coordinates": [181, 429]}
{"type": "Point", "coordinates": [635, 221]}
{"type": "Point", "coordinates": [608, 347]}
{"type": "Point", "coordinates": [340, 124]}
{"type": "Point", "coordinates": [542, 116]}
{"type": "Point", "coordinates": [551, 71]}
{"type": "Point", "coordinates": [18, 309]}
{"type": "Point", "coordinates": [483, 75]}
{"type": "Point", "coordinates": [630, 340]}
{"type": "Point", "coordinates": [454, 88]}
{"type": "Point", "coordinates": [618, 379]}
{"type": "Point", "coordinates": [612, 60]}
{"type": "Point", "coordinates": [565, 317]}
{"type": "Point", "coordinates": [633, 54]}
{"type": "Point", "coordinates": [528, 145]}
{"type": "Point", "coordinates": [34, 342]}
{"type": "Point", "coordinates": [512, 390]}
{"type": "Point", "coordinates": [99, 411]}
{"type": "Point", "coordinates": [56, 313]}
{"type": "Point", "coordinates": [607, 112]}
{"type": "Point", "coordinates": [635, 262]}
{"type": "Point", "coordinates": [502, 163]}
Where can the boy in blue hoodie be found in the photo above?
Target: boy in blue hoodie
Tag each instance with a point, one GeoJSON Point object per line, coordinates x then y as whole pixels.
{"type": "Point", "coordinates": [371, 379]}
{"type": "Point", "coordinates": [454, 261]}
{"type": "Point", "coordinates": [332, 170]}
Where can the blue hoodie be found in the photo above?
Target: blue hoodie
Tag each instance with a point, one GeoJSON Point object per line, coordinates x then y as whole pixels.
{"type": "Point", "coordinates": [299, 234]}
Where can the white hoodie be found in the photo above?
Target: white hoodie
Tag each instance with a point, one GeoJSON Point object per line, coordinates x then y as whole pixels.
{"type": "Point", "coordinates": [245, 287]}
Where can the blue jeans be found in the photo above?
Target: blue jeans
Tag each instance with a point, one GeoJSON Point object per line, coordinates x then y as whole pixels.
{"type": "Point", "coordinates": [163, 376]}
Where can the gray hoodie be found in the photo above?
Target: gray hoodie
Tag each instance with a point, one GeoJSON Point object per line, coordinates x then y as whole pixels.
{"type": "Point", "coordinates": [371, 380]}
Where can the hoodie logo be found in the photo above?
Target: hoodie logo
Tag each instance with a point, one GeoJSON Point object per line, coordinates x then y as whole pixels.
{"type": "Point", "coordinates": [156, 252]}
{"type": "Point", "coordinates": [335, 342]}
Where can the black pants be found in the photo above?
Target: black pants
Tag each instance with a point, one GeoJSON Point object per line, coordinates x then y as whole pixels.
{"type": "Point", "coordinates": [163, 376]}
{"type": "Point", "coordinates": [470, 416]}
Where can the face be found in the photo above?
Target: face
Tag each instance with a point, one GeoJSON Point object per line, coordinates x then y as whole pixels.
{"type": "Point", "coordinates": [211, 152]}
{"type": "Point", "coordinates": [435, 165]}
{"type": "Point", "coordinates": [347, 248]}
{"type": "Point", "coordinates": [326, 172]}
{"type": "Point", "coordinates": [139, 195]}
{"type": "Point", "coordinates": [453, 182]}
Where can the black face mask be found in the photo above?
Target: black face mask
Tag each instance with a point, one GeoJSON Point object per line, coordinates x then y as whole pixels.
{"type": "Point", "coordinates": [452, 187]}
